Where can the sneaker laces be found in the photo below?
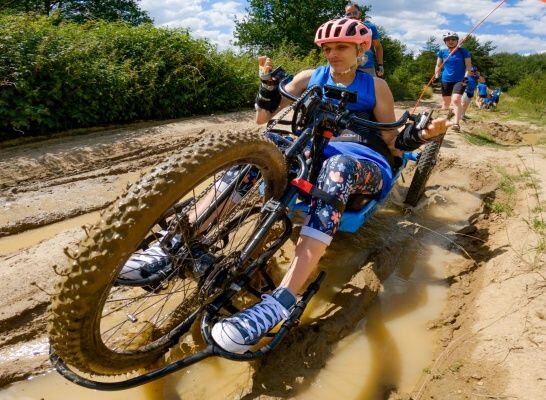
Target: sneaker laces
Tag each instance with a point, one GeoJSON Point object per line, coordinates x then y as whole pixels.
{"type": "Point", "coordinates": [255, 321]}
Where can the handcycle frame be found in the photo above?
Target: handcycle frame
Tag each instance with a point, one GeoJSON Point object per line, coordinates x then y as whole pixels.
{"type": "Point", "coordinates": [318, 116]}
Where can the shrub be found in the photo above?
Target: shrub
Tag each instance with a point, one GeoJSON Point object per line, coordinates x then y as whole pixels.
{"type": "Point", "coordinates": [61, 75]}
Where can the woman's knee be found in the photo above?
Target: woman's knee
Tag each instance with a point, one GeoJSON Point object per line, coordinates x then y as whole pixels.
{"type": "Point", "coordinates": [337, 170]}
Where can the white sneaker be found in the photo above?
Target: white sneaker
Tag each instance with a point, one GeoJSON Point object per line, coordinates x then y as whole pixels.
{"type": "Point", "coordinates": [241, 331]}
{"type": "Point", "coordinates": [152, 261]}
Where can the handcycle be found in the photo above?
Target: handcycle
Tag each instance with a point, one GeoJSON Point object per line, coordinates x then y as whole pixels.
{"type": "Point", "coordinates": [220, 241]}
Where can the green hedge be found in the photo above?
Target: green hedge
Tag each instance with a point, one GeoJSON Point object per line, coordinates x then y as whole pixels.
{"type": "Point", "coordinates": [57, 76]}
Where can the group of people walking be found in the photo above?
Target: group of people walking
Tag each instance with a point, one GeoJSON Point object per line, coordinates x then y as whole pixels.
{"type": "Point", "coordinates": [459, 78]}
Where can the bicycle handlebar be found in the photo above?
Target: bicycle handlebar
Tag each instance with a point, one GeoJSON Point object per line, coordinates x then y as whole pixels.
{"type": "Point", "coordinates": [361, 122]}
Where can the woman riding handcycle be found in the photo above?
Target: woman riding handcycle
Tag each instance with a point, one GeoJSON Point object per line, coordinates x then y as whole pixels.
{"type": "Point", "coordinates": [204, 223]}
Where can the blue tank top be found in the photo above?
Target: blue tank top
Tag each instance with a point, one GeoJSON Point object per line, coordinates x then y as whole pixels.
{"type": "Point", "coordinates": [364, 85]}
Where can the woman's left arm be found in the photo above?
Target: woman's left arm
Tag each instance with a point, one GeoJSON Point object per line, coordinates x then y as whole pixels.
{"type": "Point", "coordinates": [384, 112]}
{"type": "Point", "coordinates": [468, 63]}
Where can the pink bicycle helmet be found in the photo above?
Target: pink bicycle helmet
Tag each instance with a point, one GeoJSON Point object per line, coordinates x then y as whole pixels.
{"type": "Point", "coordinates": [344, 30]}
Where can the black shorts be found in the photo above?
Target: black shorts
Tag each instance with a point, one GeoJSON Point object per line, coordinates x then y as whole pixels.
{"type": "Point", "coordinates": [459, 88]}
{"type": "Point", "coordinates": [447, 88]}
{"type": "Point", "coordinates": [483, 96]}
{"type": "Point", "coordinates": [469, 95]}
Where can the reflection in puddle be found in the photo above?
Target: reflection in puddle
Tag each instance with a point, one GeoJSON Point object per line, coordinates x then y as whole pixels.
{"type": "Point", "coordinates": [531, 139]}
{"type": "Point", "coordinates": [387, 349]}
{"type": "Point", "coordinates": [35, 347]}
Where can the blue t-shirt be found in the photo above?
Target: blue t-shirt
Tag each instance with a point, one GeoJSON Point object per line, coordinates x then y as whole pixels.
{"type": "Point", "coordinates": [482, 89]}
{"type": "Point", "coordinates": [364, 85]}
{"type": "Point", "coordinates": [471, 84]}
{"type": "Point", "coordinates": [370, 62]}
{"type": "Point", "coordinates": [454, 67]}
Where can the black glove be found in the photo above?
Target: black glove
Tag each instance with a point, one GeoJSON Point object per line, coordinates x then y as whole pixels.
{"type": "Point", "coordinates": [269, 96]}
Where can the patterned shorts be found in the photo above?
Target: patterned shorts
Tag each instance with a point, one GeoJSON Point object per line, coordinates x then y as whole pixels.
{"type": "Point", "coordinates": [341, 176]}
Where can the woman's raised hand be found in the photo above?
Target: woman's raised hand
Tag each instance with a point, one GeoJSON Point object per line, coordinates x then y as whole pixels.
{"type": "Point", "coordinates": [265, 65]}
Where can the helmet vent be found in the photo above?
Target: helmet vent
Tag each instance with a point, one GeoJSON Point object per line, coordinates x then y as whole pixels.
{"type": "Point", "coordinates": [351, 30]}
{"type": "Point", "coordinates": [328, 29]}
{"type": "Point", "coordinates": [337, 31]}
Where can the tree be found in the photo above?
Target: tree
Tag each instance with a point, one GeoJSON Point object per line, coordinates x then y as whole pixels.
{"type": "Point", "coordinates": [109, 10]}
{"type": "Point", "coordinates": [82, 10]}
{"type": "Point", "coordinates": [431, 46]}
{"type": "Point", "coordinates": [270, 23]}
{"type": "Point", "coordinates": [509, 68]}
{"type": "Point", "coordinates": [394, 51]}
{"type": "Point", "coordinates": [481, 54]}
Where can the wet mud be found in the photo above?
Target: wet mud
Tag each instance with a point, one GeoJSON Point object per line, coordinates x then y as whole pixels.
{"type": "Point", "coordinates": [396, 295]}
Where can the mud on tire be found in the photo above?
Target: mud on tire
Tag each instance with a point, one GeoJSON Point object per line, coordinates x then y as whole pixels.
{"type": "Point", "coordinates": [80, 295]}
{"type": "Point", "coordinates": [425, 164]}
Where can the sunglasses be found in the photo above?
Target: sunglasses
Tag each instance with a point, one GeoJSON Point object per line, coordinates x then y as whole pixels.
{"type": "Point", "coordinates": [352, 14]}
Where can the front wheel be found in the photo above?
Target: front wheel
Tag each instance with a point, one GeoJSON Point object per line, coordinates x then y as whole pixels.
{"type": "Point", "coordinates": [425, 164]}
{"type": "Point", "coordinates": [101, 327]}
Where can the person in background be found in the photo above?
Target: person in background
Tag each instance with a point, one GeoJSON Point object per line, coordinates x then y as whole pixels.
{"type": "Point", "coordinates": [482, 92]}
{"type": "Point", "coordinates": [354, 11]}
{"type": "Point", "coordinates": [452, 68]}
{"type": "Point", "coordinates": [471, 84]}
{"type": "Point", "coordinates": [492, 100]}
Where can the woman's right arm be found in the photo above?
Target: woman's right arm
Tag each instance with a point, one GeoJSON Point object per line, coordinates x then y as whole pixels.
{"type": "Point", "coordinates": [296, 88]}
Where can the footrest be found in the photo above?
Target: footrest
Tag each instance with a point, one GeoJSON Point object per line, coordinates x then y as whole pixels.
{"type": "Point", "coordinates": [291, 321]}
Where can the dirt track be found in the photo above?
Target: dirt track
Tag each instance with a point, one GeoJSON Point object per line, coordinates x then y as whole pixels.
{"type": "Point", "coordinates": [490, 336]}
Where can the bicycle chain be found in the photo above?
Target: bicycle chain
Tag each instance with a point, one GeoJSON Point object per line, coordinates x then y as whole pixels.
{"type": "Point", "coordinates": [290, 108]}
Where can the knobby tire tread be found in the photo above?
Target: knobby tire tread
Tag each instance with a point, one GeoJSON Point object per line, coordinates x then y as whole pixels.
{"type": "Point", "coordinates": [425, 165]}
{"type": "Point", "coordinates": [76, 307]}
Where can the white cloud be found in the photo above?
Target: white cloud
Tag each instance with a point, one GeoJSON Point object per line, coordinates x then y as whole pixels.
{"type": "Point", "coordinates": [214, 22]}
{"type": "Point", "coordinates": [515, 43]}
{"type": "Point", "coordinates": [517, 27]}
{"type": "Point", "coordinates": [521, 26]}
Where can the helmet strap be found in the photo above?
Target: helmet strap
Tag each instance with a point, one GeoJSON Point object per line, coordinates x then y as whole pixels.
{"type": "Point", "coordinates": [334, 74]}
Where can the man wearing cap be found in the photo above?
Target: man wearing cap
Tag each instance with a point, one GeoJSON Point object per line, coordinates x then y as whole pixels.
{"type": "Point", "coordinates": [354, 11]}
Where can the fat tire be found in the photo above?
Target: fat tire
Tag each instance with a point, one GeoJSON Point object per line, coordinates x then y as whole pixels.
{"type": "Point", "coordinates": [78, 300]}
{"type": "Point", "coordinates": [425, 164]}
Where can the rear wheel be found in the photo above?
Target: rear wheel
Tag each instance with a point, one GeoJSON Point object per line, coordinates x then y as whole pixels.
{"type": "Point", "coordinates": [101, 327]}
{"type": "Point", "coordinates": [425, 164]}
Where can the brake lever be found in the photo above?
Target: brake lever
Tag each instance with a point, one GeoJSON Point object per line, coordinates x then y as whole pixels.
{"type": "Point", "coordinates": [277, 74]}
{"type": "Point", "coordinates": [424, 119]}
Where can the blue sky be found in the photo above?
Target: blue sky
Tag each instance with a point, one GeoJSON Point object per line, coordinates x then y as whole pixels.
{"type": "Point", "coordinates": [518, 26]}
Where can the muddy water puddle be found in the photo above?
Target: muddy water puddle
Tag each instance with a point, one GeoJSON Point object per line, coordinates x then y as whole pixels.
{"type": "Point", "coordinates": [388, 347]}
{"type": "Point", "coordinates": [10, 244]}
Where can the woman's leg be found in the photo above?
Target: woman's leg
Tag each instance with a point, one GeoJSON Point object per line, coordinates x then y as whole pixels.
{"type": "Point", "coordinates": [446, 102]}
{"type": "Point", "coordinates": [340, 176]}
{"type": "Point", "coordinates": [466, 102]}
